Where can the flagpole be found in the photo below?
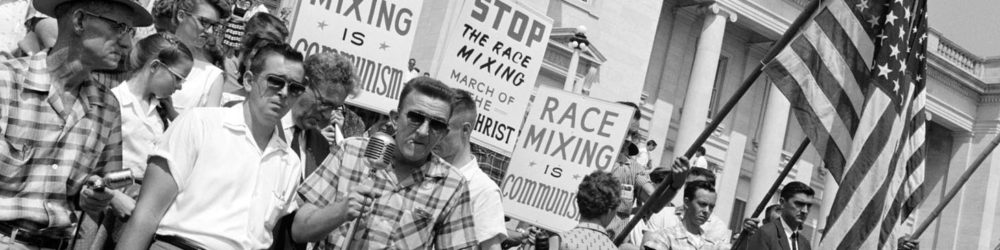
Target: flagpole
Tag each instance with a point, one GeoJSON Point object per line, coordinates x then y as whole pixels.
{"type": "Point", "coordinates": [958, 187]}
{"type": "Point", "coordinates": [665, 189]}
{"type": "Point", "coordinates": [774, 188]}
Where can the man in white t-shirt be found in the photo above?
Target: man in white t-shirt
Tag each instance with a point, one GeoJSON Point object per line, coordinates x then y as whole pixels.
{"type": "Point", "coordinates": [487, 211]}
{"type": "Point", "coordinates": [195, 23]}
{"type": "Point", "coordinates": [220, 178]}
{"type": "Point", "coordinates": [670, 216]}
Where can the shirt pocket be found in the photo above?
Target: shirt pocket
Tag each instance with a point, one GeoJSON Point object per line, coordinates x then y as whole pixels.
{"type": "Point", "coordinates": [13, 160]}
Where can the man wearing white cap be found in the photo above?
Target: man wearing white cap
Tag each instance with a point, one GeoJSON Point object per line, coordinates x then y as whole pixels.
{"type": "Point", "coordinates": [61, 130]}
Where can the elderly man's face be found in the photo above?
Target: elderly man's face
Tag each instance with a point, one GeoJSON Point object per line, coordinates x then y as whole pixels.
{"type": "Point", "coordinates": [195, 29]}
{"type": "Point", "coordinates": [313, 110]}
{"type": "Point", "coordinates": [423, 121]}
{"type": "Point", "coordinates": [106, 36]}
{"type": "Point", "coordinates": [275, 88]}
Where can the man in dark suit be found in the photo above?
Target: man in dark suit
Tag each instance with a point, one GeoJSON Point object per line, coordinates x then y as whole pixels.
{"type": "Point", "coordinates": [784, 233]}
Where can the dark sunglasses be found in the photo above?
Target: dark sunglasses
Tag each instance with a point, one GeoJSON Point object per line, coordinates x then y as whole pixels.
{"type": "Point", "coordinates": [277, 83]}
{"type": "Point", "coordinates": [437, 126]}
{"type": "Point", "coordinates": [119, 28]}
{"type": "Point", "coordinates": [324, 105]}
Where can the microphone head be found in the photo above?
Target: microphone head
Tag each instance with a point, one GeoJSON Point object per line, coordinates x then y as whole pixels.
{"type": "Point", "coordinates": [380, 150]}
{"type": "Point", "coordinates": [115, 180]}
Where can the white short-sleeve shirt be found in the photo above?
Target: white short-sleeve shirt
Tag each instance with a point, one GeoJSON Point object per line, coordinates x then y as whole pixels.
{"type": "Point", "coordinates": [230, 193]}
{"type": "Point", "coordinates": [141, 128]}
{"type": "Point", "coordinates": [194, 92]}
{"type": "Point", "coordinates": [487, 209]}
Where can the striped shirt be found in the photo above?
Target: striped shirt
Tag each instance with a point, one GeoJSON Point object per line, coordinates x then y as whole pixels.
{"type": "Point", "coordinates": [434, 211]}
{"type": "Point", "coordinates": [632, 176]}
{"type": "Point", "coordinates": [49, 146]}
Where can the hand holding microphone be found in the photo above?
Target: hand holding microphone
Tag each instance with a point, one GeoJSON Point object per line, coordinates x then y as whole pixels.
{"type": "Point", "coordinates": [94, 196]}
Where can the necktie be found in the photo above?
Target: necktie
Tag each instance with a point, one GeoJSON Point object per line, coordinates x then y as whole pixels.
{"type": "Point", "coordinates": [297, 132]}
{"type": "Point", "coordinates": [795, 241]}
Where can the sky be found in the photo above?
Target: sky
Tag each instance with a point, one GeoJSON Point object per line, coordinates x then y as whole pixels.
{"type": "Point", "coordinates": [973, 24]}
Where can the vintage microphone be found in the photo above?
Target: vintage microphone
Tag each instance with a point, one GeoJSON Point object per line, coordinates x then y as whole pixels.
{"type": "Point", "coordinates": [378, 154]}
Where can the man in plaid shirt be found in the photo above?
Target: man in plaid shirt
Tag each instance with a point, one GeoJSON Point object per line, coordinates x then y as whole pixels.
{"type": "Point", "coordinates": [60, 129]}
{"type": "Point", "coordinates": [418, 202]}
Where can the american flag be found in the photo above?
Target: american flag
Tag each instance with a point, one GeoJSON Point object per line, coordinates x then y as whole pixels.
{"type": "Point", "coordinates": [855, 78]}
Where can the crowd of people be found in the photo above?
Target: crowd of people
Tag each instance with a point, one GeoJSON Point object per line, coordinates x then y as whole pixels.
{"type": "Point", "coordinates": [235, 140]}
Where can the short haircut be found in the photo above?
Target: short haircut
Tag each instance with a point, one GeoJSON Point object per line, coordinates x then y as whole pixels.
{"type": "Point", "coordinates": [638, 112]}
{"type": "Point", "coordinates": [331, 68]}
{"type": "Point", "coordinates": [651, 143]}
{"type": "Point", "coordinates": [463, 103]}
{"type": "Point", "coordinates": [795, 187]}
{"type": "Point", "coordinates": [160, 46]}
{"type": "Point", "coordinates": [427, 86]}
{"type": "Point", "coordinates": [599, 193]}
{"type": "Point", "coordinates": [704, 172]}
{"type": "Point", "coordinates": [257, 63]}
{"type": "Point", "coordinates": [257, 26]}
{"type": "Point", "coordinates": [164, 11]}
{"type": "Point", "coordinates": [701, 150]}
{"type": "Point", "coordinates": [691, 188]}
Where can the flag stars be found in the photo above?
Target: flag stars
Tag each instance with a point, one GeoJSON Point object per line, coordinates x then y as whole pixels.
{"type": "Point", "coordinates": [883, 71]}
{"type": "Point", "coordinates": [862, 5]}
{"type": "Point", "coordinates": [873, 21]}
{"type": "Point", "coordinates": [906, 13]}
{"type": "Point", "coordinates": [895, 51]}
{"type": "Point", "coordinates": [902, 32]}
{"type": "Point", "coordinates": [322, 25]}
{"type": "Point", "coordinates": [890, 19]}
{"type": "Point", "coordinates": [902, 66]}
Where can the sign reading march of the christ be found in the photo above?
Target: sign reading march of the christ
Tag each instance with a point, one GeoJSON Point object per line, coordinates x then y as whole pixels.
{"type": "Point", "coordinates": [495, 51]}
{"type": "Point", "coordinates": [376, 35]}
{"type": "Point", "coordinates": [565, 137]}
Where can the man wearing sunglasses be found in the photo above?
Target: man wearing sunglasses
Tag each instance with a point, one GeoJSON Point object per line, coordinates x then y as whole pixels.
{"type": "Point", "coordinates": [195, 22]}
{"type": "Point", "coordinates": [418, 202]}
{"type": "Point", "coordinates": [62, 130]}
{"type": "Point", "coordinates": [221, 177]}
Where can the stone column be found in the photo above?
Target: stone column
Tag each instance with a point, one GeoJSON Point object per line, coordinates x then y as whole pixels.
{"type": "Point", "coordinates": [771, 145]}
{"type": "Point", "coordinates": [945, 230]}
{"type": "Point", "coordinates": [706, 63]}
{"type": "Point", "coordinates": [726, 183]}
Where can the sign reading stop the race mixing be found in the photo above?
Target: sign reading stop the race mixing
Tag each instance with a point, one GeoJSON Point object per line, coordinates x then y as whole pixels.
{"type": "Point", "coordinates": [495, 51]}
{"type": "Point", "coordinates": [376, 35]}
{"type": "Point", "coordinates": [565, 137]}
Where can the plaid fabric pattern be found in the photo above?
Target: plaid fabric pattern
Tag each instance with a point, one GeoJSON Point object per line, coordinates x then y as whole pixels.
{"type": "Point", "coordinates": [433, 212]}
{"type": "Point", "coordinates": [50, 147]}
{"type": "Point", "coordinates": [586, 236]}
{"type": "Point", "coordinates": [492, 163]}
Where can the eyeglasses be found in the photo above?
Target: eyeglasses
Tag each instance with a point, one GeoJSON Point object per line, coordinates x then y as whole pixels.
{"type": "Point", "coordinates": [205, 23]}
{"type": "Point", "coordinates": [118, 27]}
{"type": "Point", "coordinates": [177, 76]}
{"type": "Point", "coordinates": [417, 119]}
{"type": "Point", "coordinates": [277, 83]}
{"type": "Point", "coordinates": [324, 105]}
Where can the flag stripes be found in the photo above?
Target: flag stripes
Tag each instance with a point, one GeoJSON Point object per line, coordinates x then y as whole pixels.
{"type": "Point", "coordinates": [854, 78]}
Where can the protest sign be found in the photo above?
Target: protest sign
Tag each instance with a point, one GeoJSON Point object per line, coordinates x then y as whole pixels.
{"type": "Point", "coordinates": [376, 35]}
{"type": "Point", "coordinates": [495, 51]}
{"type": "Point", "coordinates": [565, 137]}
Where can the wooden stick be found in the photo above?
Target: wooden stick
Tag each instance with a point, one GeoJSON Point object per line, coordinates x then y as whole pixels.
{"type": "Point", "coordinates": [774, 188]}
{"type": "Point", "coordinates": [958, 187]}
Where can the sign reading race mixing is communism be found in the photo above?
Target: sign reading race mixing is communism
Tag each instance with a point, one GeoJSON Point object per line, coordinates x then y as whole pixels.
{"type": "Point", "coordinates": [565, 137]}
{"type": "Point", "coordinates": [495, 51]}
{"type": "Point", "coordinates": [376, 35]}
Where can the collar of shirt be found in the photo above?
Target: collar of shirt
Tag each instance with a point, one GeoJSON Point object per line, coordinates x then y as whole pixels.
{"type": "Point", "coordinates": [593, 226]}
{"type": "Point", "coordinates": [787, 228]}
{"type": "Point", "coordinates": [236, 121]}
{"type": "Point", "coordinates": [37, 78]}
{"type": "Point", "coordinates": [127, 99]}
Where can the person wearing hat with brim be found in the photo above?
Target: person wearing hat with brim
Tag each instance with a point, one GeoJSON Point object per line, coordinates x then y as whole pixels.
{"type": "Point", "coordinates": [62, 130]}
